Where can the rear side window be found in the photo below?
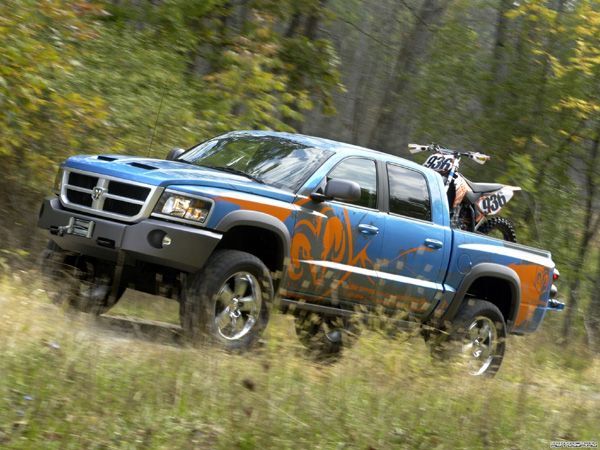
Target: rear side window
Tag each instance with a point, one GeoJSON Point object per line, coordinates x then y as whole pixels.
{"type": "Point", "coordinates": [409, 194]}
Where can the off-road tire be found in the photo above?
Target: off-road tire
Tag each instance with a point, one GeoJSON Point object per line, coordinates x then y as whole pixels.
{"type": "Point", "coordinates": [501, 226]}
{"type": "Point", "coordinates": [476, 339]}
{"type": "Point", "coordinates": [77, 282]}
{"type": "Point", "coordinates": [228, 303]}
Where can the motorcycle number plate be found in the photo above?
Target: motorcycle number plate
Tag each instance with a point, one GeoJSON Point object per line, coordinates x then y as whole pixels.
{"type": "Point", "coordinates": [440, 163]}
{"type": "Point", "coordinates": [80, 227]}
{"type": "Point", "coordinates": [493, 203]}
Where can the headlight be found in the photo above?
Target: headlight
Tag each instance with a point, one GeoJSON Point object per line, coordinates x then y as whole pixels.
{"type": "Point", "coordinates": [183, 207]}
{"type": "Point", "coordinates": [58, 181]}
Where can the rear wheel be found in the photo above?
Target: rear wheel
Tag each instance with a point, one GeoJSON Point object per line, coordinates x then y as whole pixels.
{"type": "Point", "coordinates": [76, 281]}
{"type": "Point", "coordinates": [477, 338]}
{"type": "Point", "coordinates": [499, 228]}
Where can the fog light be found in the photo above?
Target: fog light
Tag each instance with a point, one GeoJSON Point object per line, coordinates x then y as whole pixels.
{"type": "Point", "coordinates": [166, 241]}
{"type": "Point", "coordinates": [156, 238]}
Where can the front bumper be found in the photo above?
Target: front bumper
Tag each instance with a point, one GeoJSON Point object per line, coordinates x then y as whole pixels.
{"type": "Point", "coordinates": [188, 247]}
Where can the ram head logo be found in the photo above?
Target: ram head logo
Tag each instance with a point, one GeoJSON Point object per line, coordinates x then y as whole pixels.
{"type": "Point", "coordinates": [97, 193]}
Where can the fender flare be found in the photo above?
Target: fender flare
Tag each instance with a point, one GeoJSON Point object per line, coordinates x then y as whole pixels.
{"type": "Point", "coordinates": [259, 220]}
{"type": "Point", "coordinates": [491, 270]}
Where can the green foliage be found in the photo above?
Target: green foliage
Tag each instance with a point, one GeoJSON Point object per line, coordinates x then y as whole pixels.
{"type": "Point", "coordinates": [76, 78]}
{"type": "Point", "coordinates": [250, 88]}
{"type": "Point", "coordinates": [526, 94]}
{"type": "Point", "coordinates": [456, 53]}
{"type": "Point", "coordinates": [144, 87]}
{"type": "Point", "coordinates": [40, 121]}
{"type": "Point", "coordinates": [245, 73]}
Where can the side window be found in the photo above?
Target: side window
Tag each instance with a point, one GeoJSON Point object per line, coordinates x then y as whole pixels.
{"type": "Point", "coordinates": [409, 195]}
{"type": "Point", "coordinates": [364, 172]}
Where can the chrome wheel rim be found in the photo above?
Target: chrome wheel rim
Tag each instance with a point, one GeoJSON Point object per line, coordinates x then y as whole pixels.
{"type": "Point", "coordinates": [238, 306]}
{"type": "Point", "coordinates": [480, 344]}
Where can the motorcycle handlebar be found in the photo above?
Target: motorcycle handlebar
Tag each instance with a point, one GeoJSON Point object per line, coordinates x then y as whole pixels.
{"type": "Point", "coordinates": [479, 158]}
{"type": "Point", "coordinates": [416, 148]}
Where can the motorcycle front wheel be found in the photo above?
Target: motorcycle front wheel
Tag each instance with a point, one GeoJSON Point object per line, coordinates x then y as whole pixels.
{"type": "Point", "coordinates": [499, 228]}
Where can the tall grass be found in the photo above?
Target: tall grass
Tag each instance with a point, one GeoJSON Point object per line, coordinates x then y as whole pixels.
{"type": "Point", "coordinates": [72, 382]}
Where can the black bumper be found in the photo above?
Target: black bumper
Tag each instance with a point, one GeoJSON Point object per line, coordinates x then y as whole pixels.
{"type": "Point", "coordinates": [188, 249]}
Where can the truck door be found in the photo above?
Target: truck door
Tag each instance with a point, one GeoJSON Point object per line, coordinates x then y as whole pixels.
{"type": "Point", "coordinates": [416, 250]}
{"type": "Point", "coordinates": [336, 244]}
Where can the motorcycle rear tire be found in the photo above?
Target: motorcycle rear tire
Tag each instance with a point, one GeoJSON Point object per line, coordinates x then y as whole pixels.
{"type": "Point", "coordinates": [499, 225]}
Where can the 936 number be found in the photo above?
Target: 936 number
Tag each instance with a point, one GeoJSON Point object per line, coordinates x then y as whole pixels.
{"type": "Point", "coordinates": [439, 163]}
{"type": "Point", "coordinates": [492, 203]}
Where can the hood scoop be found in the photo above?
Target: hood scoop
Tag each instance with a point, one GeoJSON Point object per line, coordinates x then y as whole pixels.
{"type": "Point", "coordinates": [142, 166]}
{"type": "Point", "coordinates": [138, 165]}
{"type": "Point", "coordinates": [106, 158]}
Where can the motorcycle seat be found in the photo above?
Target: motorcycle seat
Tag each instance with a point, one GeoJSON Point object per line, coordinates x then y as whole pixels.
{"type": "Point", "coordinates": [484, 187]}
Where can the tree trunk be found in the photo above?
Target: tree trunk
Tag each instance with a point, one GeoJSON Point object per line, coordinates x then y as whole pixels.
{"type": "Point", "coordinates": [498, 68]}
{"type": "Point", "coordinates": [590, 226]}
{"type": "Point", "coordinates": [352, 101]}
{"type": "Point", "coordinates": [592, 317]}
{"type": "Point", "coordinates": [406, 67]}
{"type": "Point", "coordinates": [537, 115]}
{"type": "Point", "coordinates": [310, 31]}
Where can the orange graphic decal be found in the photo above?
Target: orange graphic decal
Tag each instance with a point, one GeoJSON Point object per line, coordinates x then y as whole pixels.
{"type": "Point", "coordinates": [534, 283]}
{"type": "Point", "coordinates": [313, 241]}
{"type": "Point", "coordinates": [281, 211]}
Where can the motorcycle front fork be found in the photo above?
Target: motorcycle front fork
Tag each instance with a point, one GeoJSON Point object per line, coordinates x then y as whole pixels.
{"type": "Point", "coordinates": [463, 218]}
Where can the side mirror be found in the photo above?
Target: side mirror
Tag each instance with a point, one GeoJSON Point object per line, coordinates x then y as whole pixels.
{"type": "Point", "coordinates": [345, 190]}
{"type": "Point", "coordinates": [174, 154]}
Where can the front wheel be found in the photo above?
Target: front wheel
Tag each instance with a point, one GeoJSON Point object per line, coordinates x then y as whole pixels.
{"type": "Point", "coordinates": [229, 302]}
{"type": "Point", "coordinates": [500, 228]}
{"type": "Point", "coordinates": [76, 281]}
{"type": "Point", "coordinates": [477, 336]}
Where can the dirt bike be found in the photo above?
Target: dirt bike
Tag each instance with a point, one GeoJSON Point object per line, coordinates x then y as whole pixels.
{"type": "Point", "coordinates": [470, 203]}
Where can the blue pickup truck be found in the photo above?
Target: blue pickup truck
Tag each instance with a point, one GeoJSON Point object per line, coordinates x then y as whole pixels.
{"type": "Point", "coordinates": [319, 229]}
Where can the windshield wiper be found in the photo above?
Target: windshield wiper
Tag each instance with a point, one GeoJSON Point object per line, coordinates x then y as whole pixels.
{"type": "Point", "coordinates": [237, 172]}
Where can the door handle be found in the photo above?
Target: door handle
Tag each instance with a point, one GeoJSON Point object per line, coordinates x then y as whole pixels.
{"type": "Point", "coordinates": [433, 243]}
{"type": "Point", "coordinates": [368, 229]}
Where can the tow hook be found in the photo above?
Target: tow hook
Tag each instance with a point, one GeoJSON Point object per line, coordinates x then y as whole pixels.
{"type": "Point", "coordinates": [555, 305]}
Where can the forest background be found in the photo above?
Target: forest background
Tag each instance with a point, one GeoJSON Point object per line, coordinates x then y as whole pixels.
{"type": "Point", "coordinates": [517, 80]}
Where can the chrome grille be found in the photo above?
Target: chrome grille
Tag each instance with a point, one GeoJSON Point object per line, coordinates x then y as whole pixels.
{"type": "Point", "coordinates": [81, 180]}
{"type": "Point", "coordinates": [108, 196]}
{"type": "Point", "coordinates": [79, 198]}
{"type": "Point", "coordinates": [128, 190]}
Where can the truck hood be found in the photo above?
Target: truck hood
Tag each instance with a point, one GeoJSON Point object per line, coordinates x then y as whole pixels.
{"type": "Point", "coordinates": [158, 172]}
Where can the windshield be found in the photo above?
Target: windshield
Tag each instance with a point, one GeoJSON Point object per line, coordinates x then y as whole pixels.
{"type": "Point", "coordinates": [269, 159]}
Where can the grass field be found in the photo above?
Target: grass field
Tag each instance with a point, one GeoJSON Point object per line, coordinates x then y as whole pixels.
{"type": "Point", "coordinates": [72, 382]}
